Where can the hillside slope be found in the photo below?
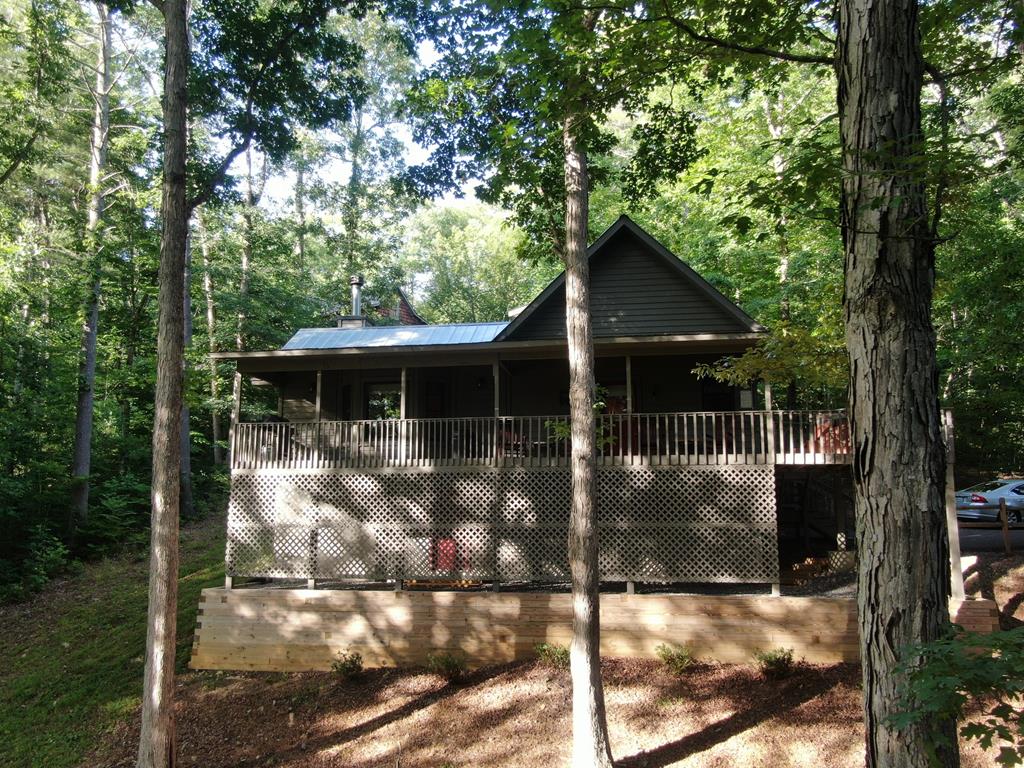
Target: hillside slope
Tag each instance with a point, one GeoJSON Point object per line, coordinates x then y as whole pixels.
{"type": "Point", "coordinates": [71, 659]}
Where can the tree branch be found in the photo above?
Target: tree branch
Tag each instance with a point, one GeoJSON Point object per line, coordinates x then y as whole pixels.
{"type": "Point", "coordinates": [18, 158]}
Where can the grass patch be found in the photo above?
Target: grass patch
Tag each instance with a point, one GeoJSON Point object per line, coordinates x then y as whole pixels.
{"type": "Point", "coordinates": [71, 661]}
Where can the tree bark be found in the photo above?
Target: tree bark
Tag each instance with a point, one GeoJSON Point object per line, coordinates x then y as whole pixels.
{"type": "Point", "coordinates": [590, 744]}
{"type": "Point", "coordinates": [211, 327]}
{"type": "Point", "coordinates": [157, 742]}
{"type": "Point", "coordinates": [82, 452]}
{"type": "Point", "coordinates": [899, 458]}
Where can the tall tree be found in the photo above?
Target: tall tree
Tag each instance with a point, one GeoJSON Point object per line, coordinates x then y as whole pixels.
{"type": "Point", "coordinates": [517, 99]}
{"type": "Point", "coordinates": [157, 741]}
{"type": "Point", "coordinates": [303, 74]}
{"type": "Point", "coordinates": [899, 455]}
{"type": "Point", "coordinates": [889, 240]}
{"type": "Point", "coordinates": [82, 452]}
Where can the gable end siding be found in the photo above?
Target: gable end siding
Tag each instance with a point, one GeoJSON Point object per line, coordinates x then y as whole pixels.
{"type": "Point", "coordinates": [634, 293]}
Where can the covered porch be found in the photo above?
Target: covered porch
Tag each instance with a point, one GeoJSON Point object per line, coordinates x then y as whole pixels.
{"type": "Point", "coordinates": [513, 412]}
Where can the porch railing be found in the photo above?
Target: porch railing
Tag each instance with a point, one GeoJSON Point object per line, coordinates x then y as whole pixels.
{"type": "Point", "coordinates": [722, 437]}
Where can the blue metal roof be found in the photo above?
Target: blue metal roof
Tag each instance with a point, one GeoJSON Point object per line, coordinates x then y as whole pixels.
{"type": "Point", "coordinates": [394, 336]}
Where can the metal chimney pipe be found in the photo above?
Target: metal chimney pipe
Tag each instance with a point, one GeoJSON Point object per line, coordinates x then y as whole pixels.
{"type": "Point", "coordinates": [356, 281]}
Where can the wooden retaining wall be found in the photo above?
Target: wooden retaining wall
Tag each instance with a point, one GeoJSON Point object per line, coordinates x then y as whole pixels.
{"type": "Point", "coordinates": [302, 630]}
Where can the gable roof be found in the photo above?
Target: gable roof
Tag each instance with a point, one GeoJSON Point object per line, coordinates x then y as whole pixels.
{"type": "Point", "coordinates": [394, 336]}
{"type": "Point", "coordinates": [677, 287]}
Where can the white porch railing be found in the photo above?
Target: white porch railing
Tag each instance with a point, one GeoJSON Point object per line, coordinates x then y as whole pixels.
{"type": "Point", "coordinates": [723, 437]}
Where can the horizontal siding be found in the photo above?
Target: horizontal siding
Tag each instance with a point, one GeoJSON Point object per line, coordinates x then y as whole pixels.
{"type": "Point", "coordinates": [634, 293]}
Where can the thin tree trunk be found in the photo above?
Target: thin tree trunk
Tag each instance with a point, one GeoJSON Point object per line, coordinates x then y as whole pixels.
{"type": "Point", "coordinates": [211, 327]}
{"type": "Point", "coordinates": [82, 452]}
{"type": "Point", "coordinates": [776, 129]}
{"type": "Point", "coordinates": [186, 504]}
{"type": "Point", "coordinates": [157, 741]}
{"type": "Point", "coordinates": [590, 744]}
{"type": "Point", "coordinates": [351, 213]}
{"type": "Point", "coordinates": [300, 214]}
{"type": "Point", "coordinates": [252, 196]}
{"type": "Point", "coordinates": [899, 458]}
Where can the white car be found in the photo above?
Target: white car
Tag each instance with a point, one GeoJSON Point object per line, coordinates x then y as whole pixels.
{"type": "Point", "coordinates": [981, 502]}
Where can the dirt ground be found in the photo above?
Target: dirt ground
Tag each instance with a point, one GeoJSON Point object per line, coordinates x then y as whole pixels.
{"type": "Point", "coordinates": [999, 577]}
{"type": "Point", "coordinates": [518, 714]}
{"type": "Point", "coordinates": [514, 715]}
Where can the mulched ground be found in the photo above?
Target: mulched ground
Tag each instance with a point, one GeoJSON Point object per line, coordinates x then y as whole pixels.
{"type": "Point", "coordinates": [513, 715]}
{"type": "Point", "coordinates": [518, 715]}
{"type": "Point", "coordinates": [999, 577]}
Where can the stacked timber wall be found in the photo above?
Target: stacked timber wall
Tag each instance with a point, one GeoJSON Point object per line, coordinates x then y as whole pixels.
{"type": "Point", "coordinates": [297, 630]}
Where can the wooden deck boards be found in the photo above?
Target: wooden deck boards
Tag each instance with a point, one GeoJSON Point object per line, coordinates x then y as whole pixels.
{"type": "Point", "coordinates": [303, 630]}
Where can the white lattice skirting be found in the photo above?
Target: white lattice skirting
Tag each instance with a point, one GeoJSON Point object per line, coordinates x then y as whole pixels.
{"type": "Point", "coordinates": [663, 524]}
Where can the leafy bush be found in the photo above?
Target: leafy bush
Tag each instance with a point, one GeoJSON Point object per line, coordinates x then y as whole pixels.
{"type": "Point", "coordinates": [348, 665]}
{"type": "Point", "coordinates": [943, 677]}
{"type": "Point", "coordinates": [446, 665]}
{"type": "Point", "coordinates": [44, 556]}
{"type": "Point", "coordinates": [553, 655]}
{"type": "Point", "coordinates": [776, 663]}
{"type": "Point", "coordinates": [677, 658]}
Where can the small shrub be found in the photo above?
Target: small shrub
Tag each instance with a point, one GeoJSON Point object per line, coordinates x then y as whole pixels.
{"type": "Point", "coordinates": [553, 655]}
{"type": "Point", "coordinates": [447, 665]}
{"type": "Point", "coordinates": [677, 658]}
{"type": "Point", "coordinates": [776, 663]}
{"type": "Point", "coordinates": [941, 680]}
{"type": "Point", "coordinates": [348, 665]}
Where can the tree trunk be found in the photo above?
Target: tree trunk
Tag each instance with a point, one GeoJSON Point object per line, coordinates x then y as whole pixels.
{"type": "Point", "coordinates": [353, 190]}
{"type": "Point", "coordinates": [590, 745]}
{"type": "Point", "coordinates": [211, 327]}
{"type": "Point", "coordinates": [157, 742]}
{"type": "Point", "coordinates": [300, 214]}
{"type": "Point", "coordinates": [82, 452]}
{"type": "Point", "coordinates": [186, 505]}
{"type": "Point", "coordinates": [899, 458]}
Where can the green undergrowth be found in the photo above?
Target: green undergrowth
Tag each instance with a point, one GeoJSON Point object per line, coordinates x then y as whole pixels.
{"type": "Point", "coordinates": [71, 660]}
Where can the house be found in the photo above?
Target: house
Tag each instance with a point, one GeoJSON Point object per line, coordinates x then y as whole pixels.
{"type": "Point", "coordinates": [439, 452]}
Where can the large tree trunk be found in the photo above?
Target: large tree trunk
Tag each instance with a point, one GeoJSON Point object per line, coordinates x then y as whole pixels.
{"type": "Point", "coordinates": [590, 745]}
{"type": "Point", "coordinates": [211, 327]}
{"type": "Point", "coordinates": [899, 459]}
{"type": "Point", "coordinates": [82, 453]}
{"type": "Point", "coordinates": [157, 747]}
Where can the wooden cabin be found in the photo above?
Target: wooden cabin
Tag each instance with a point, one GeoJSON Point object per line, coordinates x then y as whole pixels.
{"type": "Point", "coordinates": [439, 453]}
{"type": "Point", "coordinates": [421, 451]}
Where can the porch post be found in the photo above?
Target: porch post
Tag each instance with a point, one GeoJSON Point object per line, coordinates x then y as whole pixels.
{"type": "Point", "coordinates": [629, 408]}
{"type": "Point", "coordinates": [496, 375]}
{"type": "Point", "coordinates": [403, 414]}
{"type": "Point", "coordinates": [956, 574]}
{"type": "Point", "coordinates": [236, 415]}
{"type": "Point", "coordinates": [629, 384]}
{"type": "Point", "coordinates": [767, 396]}
{"type": "Point", "coordinates": [319, 405]}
